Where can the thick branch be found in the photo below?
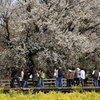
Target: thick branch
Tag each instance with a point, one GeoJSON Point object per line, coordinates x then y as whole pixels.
{"type": "Point", "coordinates": [8, 32]}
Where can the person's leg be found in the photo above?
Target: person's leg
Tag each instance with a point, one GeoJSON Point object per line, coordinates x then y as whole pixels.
{"type": "Point", "coordinates": [99, 82]}
{"type": "Point", "coordinates": [12, 83]}
{"type": "Point", "coordinates": [22, 83]}
{"type": "Point", "coordinates": [70, 82]}
{"type": "Point", "coordinates": [85, 82]}
{"type": "Point", "coordinates": [82, 82]}
{"type": "Point", "coordinates": [67, 83]}
{"type": "Point", "coordinates": [57, 82]}
{"type": "Point", "coordinates": [42, 82]}
{"type": "Point", "coordinates": [25, 84]}
{"type": "Point", "coordinates": [60, 81]}
{"type": "Point", "coordinates": [78, 81]}
{"type": "Point", "coordinates": [34, 83]}
{"type": "Point", "coordinates": [94, 81]}
{"type": "Point", "coordinates": [39, 82]}
{"type": "Point", "coordinates": [74, 81]}
{"type": "Point", "coordinates": [18, 82]}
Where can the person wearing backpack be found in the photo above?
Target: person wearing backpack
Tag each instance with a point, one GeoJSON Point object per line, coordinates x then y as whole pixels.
{"type": "Point", "coordinates": [95, 74]}
{"type": "Point", "coordinates": [60, 77]}
{"type": "Point", "coordinates": [69, 77]}
{"type": "Point", "coordinates": [35, 77]}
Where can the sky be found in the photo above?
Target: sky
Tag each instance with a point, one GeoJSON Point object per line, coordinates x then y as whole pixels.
{"type": "Point", "coordinates": [14, 1]}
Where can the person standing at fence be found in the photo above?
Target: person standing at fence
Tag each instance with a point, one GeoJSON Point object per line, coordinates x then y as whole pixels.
{"type": "Point", "coordinates": [60, 77]}
{"type": "Point", "coordinates": [86, 78]}
{"type": "Point", "coordinates": [39, 77]}
{"type": "Point", "coordinates": [21, 76]}
{"type": "Point", "coordinates": [35, 77]}
{"type": "Point", "coordinates": [77, 76]}
{"type": "Point", "coordinates": [99, 78]}
{"type": "Point", "coordinates": [95, 74]}
{"type": "Point", "coordinates": [15, 76]}
{"type": "Point", "coordinates": [42, 76]}
{"type": "Point", "coordinates": [69, 77]}
{"type": "Point", "coordinates": [25, 78]}
{"type": "Point", "coordinates": [56, 75]}
{"type": "Point", "coordinates": [82, 76]}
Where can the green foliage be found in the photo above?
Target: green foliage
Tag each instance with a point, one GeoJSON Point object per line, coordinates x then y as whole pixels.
{"type": "Point", "coordinates": [1, 90]}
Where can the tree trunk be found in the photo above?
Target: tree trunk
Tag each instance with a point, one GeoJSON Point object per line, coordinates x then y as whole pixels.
{"type": "Point", "coordinates": [8, 32]}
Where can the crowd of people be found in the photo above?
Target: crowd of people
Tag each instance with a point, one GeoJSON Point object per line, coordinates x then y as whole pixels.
{"type": "Point", "coordinates": [21, 75]}
{"type": "Point", "coordinates": [74, 77]}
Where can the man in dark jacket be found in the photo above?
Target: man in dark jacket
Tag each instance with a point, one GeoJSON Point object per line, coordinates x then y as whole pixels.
{"type": "Point", "coordinates": [25, 78]}
{"type": "Point", "coordinates": [15, 73]}
{"type": "Point", "coordinates": [60, 77]}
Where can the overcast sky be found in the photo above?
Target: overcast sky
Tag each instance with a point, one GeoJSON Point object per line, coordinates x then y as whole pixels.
{"type": "Point", "coordinates": [14, 1]}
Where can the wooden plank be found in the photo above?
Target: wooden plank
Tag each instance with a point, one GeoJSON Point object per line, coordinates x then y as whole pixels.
{"type": "Point", "coordinates": [47, 82]}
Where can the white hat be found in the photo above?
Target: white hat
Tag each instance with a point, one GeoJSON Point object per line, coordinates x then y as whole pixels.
{"type": "Point", "coordinates": [70, 70]}
{"type": "Point", "coordinates": [78, 69]}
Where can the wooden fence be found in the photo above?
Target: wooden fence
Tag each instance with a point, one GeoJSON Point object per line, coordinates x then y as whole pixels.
{"type": "Point", "coordinates": [47, 82]}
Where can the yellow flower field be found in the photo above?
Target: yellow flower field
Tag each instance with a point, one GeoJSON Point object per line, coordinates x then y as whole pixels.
{"type": "Point", "coordinates": [15, 95]}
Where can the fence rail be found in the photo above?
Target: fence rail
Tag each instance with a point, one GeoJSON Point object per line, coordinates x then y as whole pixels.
{"type": "Point", "coordinates": [47, 82]}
